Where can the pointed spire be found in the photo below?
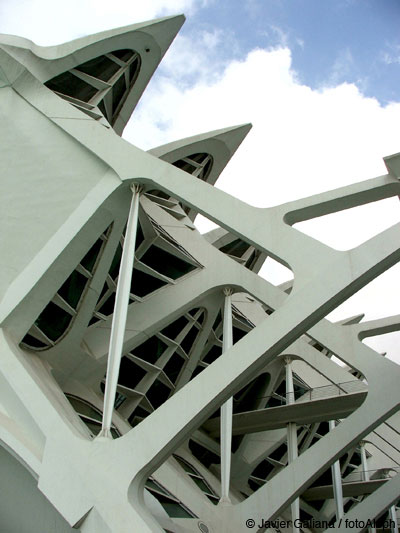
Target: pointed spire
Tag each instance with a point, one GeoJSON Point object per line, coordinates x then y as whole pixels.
{"type": "Point", "coordinates": [150, 40]}
{"type": "Point", "coordinates": [232, 137]}
{"type": "Point", "coordinates": [219, 144]}
{"type": "Point", "coordinates": [164, 30]}
{"type": "Point", "coordinates": [205, 155]}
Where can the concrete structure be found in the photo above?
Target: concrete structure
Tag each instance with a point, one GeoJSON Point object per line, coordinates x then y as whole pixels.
{"type": "Point", "coordinates": [194, 328]}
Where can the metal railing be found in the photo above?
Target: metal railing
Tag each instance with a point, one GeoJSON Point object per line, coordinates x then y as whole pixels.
{"type": "Point", "coordinates": [325, 391]}
{"type": "Point", "coordinates": [373, 475]}
{"type": "Point", "coordinates": [338, 389]}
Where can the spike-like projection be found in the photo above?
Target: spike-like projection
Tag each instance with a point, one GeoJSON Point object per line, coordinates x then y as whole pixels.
{"type": "Point", "coordinates": [103, 75]}
{"type": "Point", "coordinates": [203, 156]}
{"type": "Point", "coordinates": [66, 179]}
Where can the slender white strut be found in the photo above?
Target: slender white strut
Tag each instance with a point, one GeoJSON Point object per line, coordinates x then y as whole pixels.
{"type": "Point", "coordinates": [365, 472]}
{"type": "Point", "coordinates": [393, 517]}
{"type": "Point", "coordinates": [227, 407]}
{"type": "Point", "coordinates": [120, 313]}
{"type": "Point", "coordinates": [337, 482]}
{"type": "Point", "coordinates": [392, 512]}
{"type": "Point", "coordinates": [292, 440]}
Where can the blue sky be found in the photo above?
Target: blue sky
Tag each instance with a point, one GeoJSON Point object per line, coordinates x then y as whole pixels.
{"type": "Point", "coordinates": [357, 41]}
{"type": "Point", "coordinates": [331, 41]}
{"type": "Point", "coordinates": [318, 79]}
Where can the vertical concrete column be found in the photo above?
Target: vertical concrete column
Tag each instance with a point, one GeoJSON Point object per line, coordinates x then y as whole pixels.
{"type": "Point", "coordinates": [227, 407]}
{"type": "Point", "coordinates": [365, 473]}
{"type": "Point", "coordinates": [364, 466]}
{"type": "Point", "coordinates": [392, 511]}
{"type": "Point", "coordinates": [120, 313]}
{"type": "Point", "coordinates": [337, 482]}
{"type": "Point", "coordinates": [292, 438]}
{"type": "Point", "coordinates": [393, 517]}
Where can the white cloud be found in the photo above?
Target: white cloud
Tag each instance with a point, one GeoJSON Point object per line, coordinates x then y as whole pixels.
{"type": "Point", "coordinates": [194, 59]}
{"type": "Point", "coordinates": [303, 142]}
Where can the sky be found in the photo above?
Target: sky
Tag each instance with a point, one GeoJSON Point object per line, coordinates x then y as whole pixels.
{"type": "Point", "coordinates": [318, 79]}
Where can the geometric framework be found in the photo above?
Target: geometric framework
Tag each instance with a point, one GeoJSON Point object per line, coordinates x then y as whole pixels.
{"type": "Point", "coordinates": [174, 376]}
{"type": "Point", "coordinates": [56, 317]}
{"type": "Point", "coordinates": [99, 86]}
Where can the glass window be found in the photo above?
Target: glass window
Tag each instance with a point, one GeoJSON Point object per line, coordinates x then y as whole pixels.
{"type": "Point", "coordinates": [174, 507]}
{"type": "Point", "coordinates": [70, 85]}
{"type": "Point", "coordinates": [198, 479]}
{"type": "Point", "coordinates": [55, 319]}
{"type": "Point", "coordinates": [114, 68]}
{"type": "Point", "coordinates": [99, 67]}
{"type": "Point", "coordinates": [167, 264]}
{"type": "Point", "coordinates": [90, 415]}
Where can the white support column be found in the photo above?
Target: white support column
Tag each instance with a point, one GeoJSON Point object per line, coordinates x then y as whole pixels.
{"type": "Point", "coordinates": [365, 473]}
{"type": "Point", "coordinates": [292, 438]}
{"type": "Point", "coordinates": [337, 482]}
{"type": "Point", "coordinates": [227, 407]}
{"type": "Point", "coordinates": [364, 466]}
{"type": "Point", "coordinates": [120, 314]}
{"type": "Point", "coordinates": [393, 517]}
{"type": "Point", "coordinates": [392, 510]}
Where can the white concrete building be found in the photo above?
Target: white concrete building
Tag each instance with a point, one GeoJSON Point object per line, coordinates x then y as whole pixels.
{"type": "Point", "coordinates": [150, 379]}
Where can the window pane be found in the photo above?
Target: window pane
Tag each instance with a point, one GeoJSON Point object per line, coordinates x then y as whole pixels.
{"type": "Point", "coordinates": [71, 290]}
{"type": "Point", "coordinates": [70, 85]}
{"type": "Point", "coordinates": [99, 67]}
{"type": "Point", "coordinates": [53, 321]}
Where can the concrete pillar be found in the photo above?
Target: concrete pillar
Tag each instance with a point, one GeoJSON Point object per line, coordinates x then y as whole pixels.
{"type": "Point", "coordinates": [292, 437]}
{"type": "Point", "coordinates": [365, 473]}
{"type": "Point", "coordinates": [337, 482]}
{"type": "Point", "coordinates": [392, 511]}
{"type": "Point", "coordinates": [393, 517]}
{"type": "Point", "coordinates": [120, 314]}
{"type": "Point", "coordinates": [227, 407]}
